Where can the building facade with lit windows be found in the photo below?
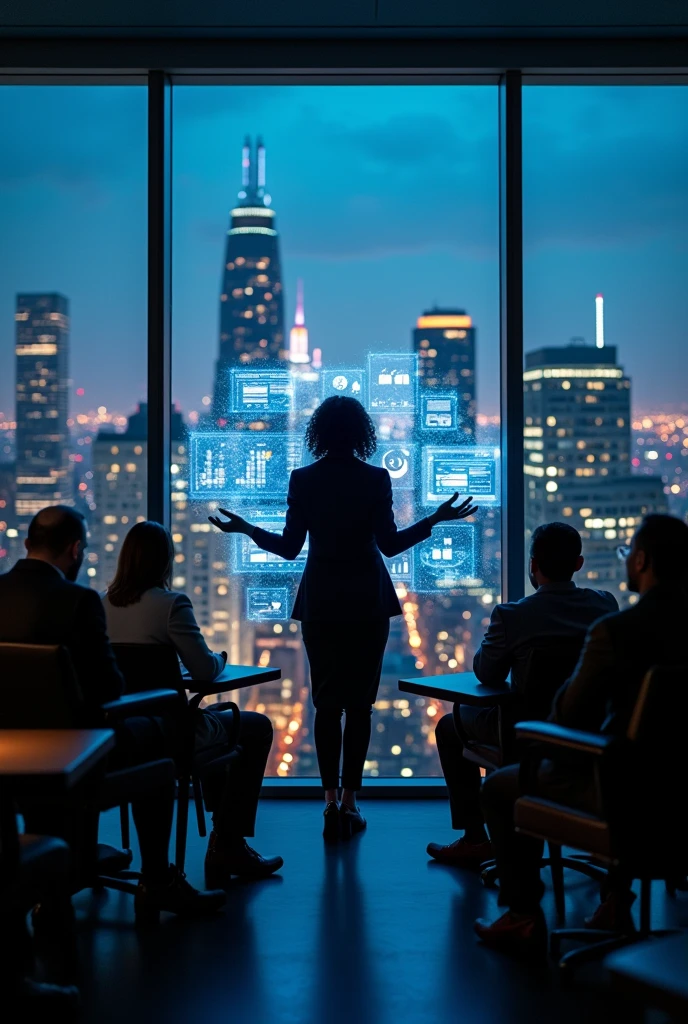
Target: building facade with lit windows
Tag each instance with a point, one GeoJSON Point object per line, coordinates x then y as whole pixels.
{"type": "Point", "coordinates": [577, 455]}
{"type": "Point", "coordinates": [444, 340]}
{"type": "Point", "coordinates": [43, 475]}
{"type": "Point", "coordinates": [251, 301]}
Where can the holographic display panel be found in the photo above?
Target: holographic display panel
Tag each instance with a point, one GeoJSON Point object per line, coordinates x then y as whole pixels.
{"type": "Point", "coordinates": [400, 462]}
{"type": "Point", "coordinates": [400, 567]}
{"type": "Point", "coordinates": [447, 559]}
{"type": "Point", "coordinates": [249, 558]}
{"type": "Point", "coordinates": [261, 391]}
{"type": "Point", "coordinates": [392, 382]}
{"type": "Point", "coordinates": [438, 412]}
{"type": "Point", "coordinates": [463, 468]}
{"type": "Point", "coordinates": [267, 604]}
{"type": "Point", "coordinates": [231, 465]}
{"type": "Point", "coordinates": [344, 381]}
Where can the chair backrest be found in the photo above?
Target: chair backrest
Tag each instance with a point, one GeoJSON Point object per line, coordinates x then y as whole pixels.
{"type": "Point", "coordinates": [149, 667]}
{"type": "Point", "coordinates": [548, 666]}
{"type": "Point", "coordinates": [38, 688]}
{"type": "Point", "coordinates": [652, 777]}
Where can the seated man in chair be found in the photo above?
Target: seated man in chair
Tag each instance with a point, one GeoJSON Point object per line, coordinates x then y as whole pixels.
{"type": "Point", "coordinates": [557, 610]}
{"type": "Point", "coordinates": [600, 696]}
{"type": "Point", "coordinates": [40, 603]}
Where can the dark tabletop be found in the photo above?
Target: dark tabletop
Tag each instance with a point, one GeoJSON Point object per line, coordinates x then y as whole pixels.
{"type": "Point", "coordinates": [460, 687]}
{"type": "Point", "coordinates": [234, 677]}
{"type": "Point", "coordinates": [655, 971]}
{"type": "Point", "coordinates": [59, 758]}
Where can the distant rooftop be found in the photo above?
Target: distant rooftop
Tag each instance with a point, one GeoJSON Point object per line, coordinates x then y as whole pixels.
{"type": "Point", "coordinates": [571, 355]}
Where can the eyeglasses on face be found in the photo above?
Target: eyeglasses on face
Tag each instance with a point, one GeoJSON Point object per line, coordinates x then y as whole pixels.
{"type": "Point", "coordinates": [622, 552]}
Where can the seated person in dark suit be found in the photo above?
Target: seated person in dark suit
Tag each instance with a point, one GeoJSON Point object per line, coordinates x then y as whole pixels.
{"type": "Point", "coordinates": [618, 652]}
{"type": "Point", "coordinates": [40, 603]}
{"type": "Point", "coordinates": [557, 609]}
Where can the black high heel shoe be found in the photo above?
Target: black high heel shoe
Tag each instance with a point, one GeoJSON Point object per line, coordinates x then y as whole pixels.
{"type": "Point", "coordinates": [331, 822]}
{"type": "Point", "coordinates": [352, 821]}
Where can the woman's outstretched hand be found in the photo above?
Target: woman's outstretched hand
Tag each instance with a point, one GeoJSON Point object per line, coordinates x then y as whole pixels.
{"type": "Point", "coordinates": [448, 512]}
{"type": "Point", "coordinates": [234, 523]}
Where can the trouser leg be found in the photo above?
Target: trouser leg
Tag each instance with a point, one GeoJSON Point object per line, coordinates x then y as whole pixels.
{"type": "Point", "coordinates": [356, 743]}
{"type": "Point", "coordinates": [518, 856]}
{"type": "Point", "coordinates": [462, 777]}
{"type": "Point", "coordinates": [232, 794]}
{"type": "Point", "coordinates": [327, 733]}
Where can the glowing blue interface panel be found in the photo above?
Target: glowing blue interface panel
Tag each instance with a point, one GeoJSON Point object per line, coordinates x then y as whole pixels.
{"type": "Point", "coordinates": [445, 560]}
{"type": "Point", "coordinates": [466, 469]}
{"type": "Point", "coordinates": [344, 381]}
{"type": "Point", "coordinates": [236, 465]}
{"type": "Point", "coordinates": [438, 412]}
{"type": "Point", "coordinates": [392, 379]}
{"type": "Point", "coordinates": [259, 391]}
{"type": "Point", "coordinates": [400, 462]}
{"type": "Point", "coordinates": [400, 567]}
{"type": "Point", "coordinates": [267, 604]}
{"type": "Point", "coordinates": [249, 558]}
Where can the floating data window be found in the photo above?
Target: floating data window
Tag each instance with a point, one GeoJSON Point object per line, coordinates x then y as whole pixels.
{"type": "Point", "coordinates": [392, 380]}
{"type": "Point", "coordinates": [400, 462]}
{"type": "Point", "coordinates": [446, 559]}
{"type": "Point", "coordinates": [261, 391]}
{"type": "Point", "coordinates": [344, 381]}
{"type": "Point", "coordinates": [249, 558]}
{"type": "Point", "coordinates": [438, 412]}
{"type": "Point", "coordinates": [267, 604]}
{"type": "Point", "coordinates": [400, 567]}
{"type": "Point", "coordinates": [466, 469]}
{"type": "Point", "coordinates": [233, 465]}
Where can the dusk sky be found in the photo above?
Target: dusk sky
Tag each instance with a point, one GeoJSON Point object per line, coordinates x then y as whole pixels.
{"type": "Point", "coordinates": [387, 203]}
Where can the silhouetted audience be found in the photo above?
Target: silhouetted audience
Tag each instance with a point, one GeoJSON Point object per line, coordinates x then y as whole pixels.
{"type": "Point", "coordinates": [600, 696]}
{"type": "Point", "coordinates": [141, 608]}
{"type": "Point", "coordinates": [40, 603]}
{"type": "Point", "coordinates": [557, 610]}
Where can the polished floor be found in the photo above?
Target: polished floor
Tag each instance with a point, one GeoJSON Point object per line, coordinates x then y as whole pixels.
{"type": "Point", "coordinates": [369, 932]}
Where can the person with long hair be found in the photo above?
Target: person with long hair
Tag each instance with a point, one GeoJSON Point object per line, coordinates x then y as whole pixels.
{"type": "Point", "coordinates": [346, 597]}
{"type": "Point", "coordinates": [141, 608]}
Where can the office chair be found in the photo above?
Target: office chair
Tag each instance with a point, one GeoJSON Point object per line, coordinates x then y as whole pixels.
{"type": "Point", "coordinates": [39, 690]}
{"type": "Point", "coordinates": [548, 666]}
{"type": "Point", "coordinates": [640, 782]}
{"type": "Point", "coordinates": [145, 667]}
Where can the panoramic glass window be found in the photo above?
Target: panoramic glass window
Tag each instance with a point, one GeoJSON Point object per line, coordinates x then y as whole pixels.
{"type": "Point", "coordinates": [336, 240]}
{"type": "Point", "coordinates": [605, 302]}
{"type": "Point", "coordinates": [73, 313]}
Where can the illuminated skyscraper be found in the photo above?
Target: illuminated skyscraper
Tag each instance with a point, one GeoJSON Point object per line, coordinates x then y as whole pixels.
{"type": "Point", "coordinates": [298, 336]}
{"type": "Point", "coordinates": [42, 396]}
{"type": "Point", "coordinates": [577, 440]}
{"type": "Point", "coordinates": [251, 302]}
{"type": "Point", "coordinates": [445, 342]}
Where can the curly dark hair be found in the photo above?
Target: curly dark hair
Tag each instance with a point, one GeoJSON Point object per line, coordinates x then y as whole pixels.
{"type": "Point", "coordinates": [341, 425]}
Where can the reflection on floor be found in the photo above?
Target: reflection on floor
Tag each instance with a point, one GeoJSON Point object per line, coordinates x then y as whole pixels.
{"type": "Point", "coordinates": [368, 932]}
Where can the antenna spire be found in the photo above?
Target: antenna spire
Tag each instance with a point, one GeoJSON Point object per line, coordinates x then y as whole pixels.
{"type": "Point", "coordinates": [298, 336]}
{"type": "Point", "coordinates": [246, 163]}
{"type": "Point", "coordinates": [599, 320]}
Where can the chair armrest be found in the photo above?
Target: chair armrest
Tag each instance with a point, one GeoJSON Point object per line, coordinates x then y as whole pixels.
{"type": "Point", "coordinates": [145, 702]}
{"type": "Point", "coordinates": [556, 737]}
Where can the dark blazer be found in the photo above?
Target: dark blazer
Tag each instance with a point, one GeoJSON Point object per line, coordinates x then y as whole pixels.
{"type": "Point", "coordinates": [555, 610]}
{"type": "Point", "coordinates": [618, 651]}
{"type": "Point", "coordinates": [345, 507]}
{"type": "Point", "coordinates": [39, 606]}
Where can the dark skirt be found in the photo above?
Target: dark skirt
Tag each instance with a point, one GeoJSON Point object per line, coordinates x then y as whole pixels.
{"type": "Point", "coordinates": [345, 661]}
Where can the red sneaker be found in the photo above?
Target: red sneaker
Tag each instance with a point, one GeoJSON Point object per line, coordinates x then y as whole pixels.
{"type": "Point", "coordinates": [526, 932]}
{"type": "Point", "coordinates": [462, 854]}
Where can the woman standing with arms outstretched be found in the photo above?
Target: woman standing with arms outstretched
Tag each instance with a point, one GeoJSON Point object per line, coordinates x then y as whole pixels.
{"type": "Point", "coordinates": [346, 597]}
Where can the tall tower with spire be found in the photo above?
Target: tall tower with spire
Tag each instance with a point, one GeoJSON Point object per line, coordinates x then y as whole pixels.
{"type": "Point", "coordinates": [251, 300]}
{"type": "Point", "coordinates": [298, 336]}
